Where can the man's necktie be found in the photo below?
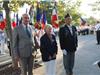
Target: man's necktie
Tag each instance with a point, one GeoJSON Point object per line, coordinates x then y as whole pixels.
{"type": "Point", "coordinates": [27, 31]}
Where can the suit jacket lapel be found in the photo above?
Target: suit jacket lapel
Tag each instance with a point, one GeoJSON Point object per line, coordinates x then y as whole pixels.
{"type": "Point", "coordinates": [30, 30]}
{"type": "Point", "coordinates": [68, 30]}
{"type": "Point", "coordinates": [23, 31]}
{"type": "Point", "coordinates": [73, 30]}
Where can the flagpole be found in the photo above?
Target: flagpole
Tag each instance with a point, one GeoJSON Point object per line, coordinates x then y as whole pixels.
{"type": "Point", "coordinates": [31, 13]}
{"type": "Point", "coordinates": [26, 10]}
{"type": "Point", "coordinates": [17, 19]}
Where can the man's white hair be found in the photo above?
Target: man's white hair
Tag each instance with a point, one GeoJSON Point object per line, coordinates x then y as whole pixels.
{"type": "Point", "coordinates": [48, 26]}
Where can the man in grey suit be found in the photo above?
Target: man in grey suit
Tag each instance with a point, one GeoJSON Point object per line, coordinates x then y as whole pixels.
{"type": "Point", "coordinates": [23, 45]}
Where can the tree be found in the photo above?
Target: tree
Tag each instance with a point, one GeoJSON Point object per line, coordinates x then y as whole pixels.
{"type": "Point", "coordinates": [95, 7]}
{"type": "Point", "coordinates": [63, 6]}
{"type": "Point", "coordinates": [72, 6]}
{"type": "Point", "coordinates": [8, 23]}
{"type": "Point", "coordinates": [61, 9]}
{"type": "Point", "coordinates": [91, 21]}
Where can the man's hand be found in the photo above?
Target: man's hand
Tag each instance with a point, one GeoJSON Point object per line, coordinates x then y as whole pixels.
{"type": "Point", "coordinates": [54, 56]}
{"type": "Point", "coordinates": [49, 57]}
{"type": "Point", "coordinates": [64, 52]}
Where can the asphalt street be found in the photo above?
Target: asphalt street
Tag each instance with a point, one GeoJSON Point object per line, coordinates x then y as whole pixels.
{"type": "Point", "coordinates": [87, 53]}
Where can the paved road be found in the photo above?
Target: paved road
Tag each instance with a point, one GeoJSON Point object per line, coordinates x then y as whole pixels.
{"type": "Point", "coordinates": [5, 58]}
{"type": "Point", "coordinates": [88, 52]}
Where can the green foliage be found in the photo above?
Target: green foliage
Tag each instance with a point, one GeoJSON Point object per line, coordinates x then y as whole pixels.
{"type": "Point", "coordinates": [15, 4]}
{"type": "Point", "coordinates": [60, 8]}
{"type": "Point", "coordinates": [91, 20]}
{"type": "Point", "coordinates": [72, 8]}
{"type": "Point", "coordinates": [47, 6]}
{"type": "Point", "coordinates": [71, 5]}
{"type": "Point", "coordinates": [63, 7]}
{"type": "Point", "coordinates": [1, 8]}
{"type": "Point", "coordinates": [75, 18]}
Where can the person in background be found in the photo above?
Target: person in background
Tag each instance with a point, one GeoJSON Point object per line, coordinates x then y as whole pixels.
{"type": "Point", "coordinates": [48, 49]}
{"type": "Point", "coordinates": [23, 45]}
{"type": "Point", "coordinates": [8, 45]}
{"type": "Point", "coordinates": [39, 32]}
{"type": "Point", "coordinates": [97, 63]}
{"type": "Point", "coordinates": [97, 28]}
{"type": "Point", "coordinates": [68, 43]}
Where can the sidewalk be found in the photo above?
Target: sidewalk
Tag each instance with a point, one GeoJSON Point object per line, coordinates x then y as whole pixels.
{"type": "Point", "coordinates": [5, 58]}
{"type": "Point", "coordinates": [7, 69]}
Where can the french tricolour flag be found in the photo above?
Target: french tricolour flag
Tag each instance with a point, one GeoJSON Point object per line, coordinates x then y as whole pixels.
{"type": "Point", "coordinates": [2, 21]}
{"type": "Point", "coordinates": [43, 19]}
{"type": "Point", "coordinates": [54, 18]}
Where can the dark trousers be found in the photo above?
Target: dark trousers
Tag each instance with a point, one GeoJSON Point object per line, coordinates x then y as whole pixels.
{"type": "Point", "coordinates": [68, 61]}
{"type": "Point", "coordinates": [98, 36]}
{"type": "Point", "coordinates": [26, 64]}
{"type": "Point", "coordinates": [99, 64]}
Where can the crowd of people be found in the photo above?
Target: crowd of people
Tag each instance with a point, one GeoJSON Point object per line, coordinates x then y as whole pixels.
{"type": "Point", "coordinates": [85, 29]}
{"type": "Point", "coordinates": [24, 46]}
{"type": "Point", "coordinates": [27, 39]}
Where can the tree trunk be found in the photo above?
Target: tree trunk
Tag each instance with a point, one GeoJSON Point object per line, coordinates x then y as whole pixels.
{"type": "Point", "coordinates": [8, 25]}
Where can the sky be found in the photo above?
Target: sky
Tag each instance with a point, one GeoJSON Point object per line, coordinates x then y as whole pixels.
{"type": "Point", "coordinates": [86, 9]}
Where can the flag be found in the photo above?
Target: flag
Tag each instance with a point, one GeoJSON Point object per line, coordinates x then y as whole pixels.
{"type": "Point", "coordinates": [1, 16]}
{"type": "Point", "coordinates": [3, 25]}
{"type": "Point", "coordinates": [26, 10]}
{"type": "Point", "coordinates": [83, 22]}
{"type": "Point", "coordinates": [37, 25]}
{"type": "Point", "coordinates": [38, 15]}
{"type": "Point", "coordinates": [43, 19]}
{"type": "Point", "coordinates": [31, 13]}
{"type": "Point", "coordinates": [13, 22]}
{"type": "Point", "coordinates": [54, 18]}
{"type": "Point", "coordinates": [2, 21]}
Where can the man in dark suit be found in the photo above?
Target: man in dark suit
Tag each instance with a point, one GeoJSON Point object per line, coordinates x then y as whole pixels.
{"type": "Point", "coordinates": [68, 43]}
{"type": "Point", "coordinates": [23, 45]}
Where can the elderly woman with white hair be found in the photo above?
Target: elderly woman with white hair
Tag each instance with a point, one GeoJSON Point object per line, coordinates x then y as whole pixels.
{"type": "Point", "coordinates": [48, 48]}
